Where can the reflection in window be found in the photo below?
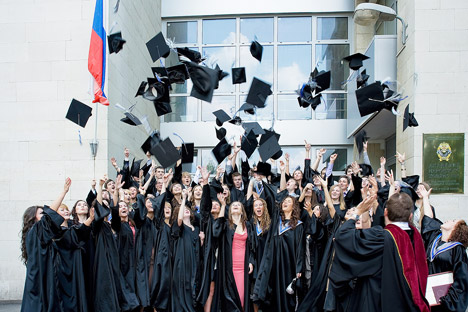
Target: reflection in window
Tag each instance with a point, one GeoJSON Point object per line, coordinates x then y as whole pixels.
{"type": "Point", "coordinates": [332, 28]}
{"type": "Point", "coordinates": [219, 31]}
{"type": "Point", "coordinates": [333, 106]}
{"type": "Point", "coordinates": [260, 29]}
{"type": "Point", "coordinates": [288, 108]}
{"type": "Point", "coordinates": [329, 57]}
{"type": "Point", "coordinates": [182, 32]}
{"type": "Point", "coordinates": [225, 57]}
{"type": "Point", "coordinates": [227, 103]}
{"type": "Point", "coordinates": [184, 108]}
{"type": "Point", "coordinates": [254, 68]}
{"type": "Point", "coordinates": [341, 161]}
{"type": "Point", "coordinates": [294, 29]}
{"type": "Point", "coordinates": [265, 113]}
{"type": "Point", "coordinates": [294, 66]}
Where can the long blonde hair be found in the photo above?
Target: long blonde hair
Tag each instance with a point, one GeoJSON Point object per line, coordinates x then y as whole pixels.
{"type": "Point", "coordinates": [264, 220]}
{"type": "Point", "coordinates": [342, 202]}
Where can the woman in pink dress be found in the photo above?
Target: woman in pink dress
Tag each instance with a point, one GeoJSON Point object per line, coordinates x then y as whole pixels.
{"type": "Point", "coordinates": [236, 258]}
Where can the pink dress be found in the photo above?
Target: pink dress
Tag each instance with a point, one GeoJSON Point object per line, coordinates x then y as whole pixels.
{"type": "Point", "coordinates": [238, 259]}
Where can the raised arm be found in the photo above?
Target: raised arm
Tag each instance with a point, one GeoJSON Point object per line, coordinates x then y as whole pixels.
{"type": "Point", "coordinates": [383, 161]}
{"type": "Point", "coordinates": [223, 204]}
{"type": "Point", "coordinates": [90, 219]}
{"type": "Point", "coordinates": [304, 190]}
{"type": "Point", "coordinates": [426, 209]}
{"type": "Point", "coordinates": [316, 163]}
{"type": "Point", "coordinates": [328, 200]}
{"type": "Point", "coordinates": [180, 217]}
{"type": "Point", "coordinates": [283, 176]}
{"type": "Point", "coordinates": [118, 187]}
{"type": "Point", "coordinates": [365, 156]}
{"type": "Point", "coordinates": [389, 177]}
{"type": "Point", "coordinates": [286, 168]}
{"type": "Point", "coordinates": [152, 172]}
{"type": "Point", "coordinates": [66, 187]}
{"type": "Point", "coordinates": [401, 159]}
{"type": "Point", "coordinates": [99, 189]}
{"type": "Point", "coordinates": [114, 164]}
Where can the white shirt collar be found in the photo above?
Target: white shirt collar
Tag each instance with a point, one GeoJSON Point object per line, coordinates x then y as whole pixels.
{"type": "Point", "coordinates": [402, 225]}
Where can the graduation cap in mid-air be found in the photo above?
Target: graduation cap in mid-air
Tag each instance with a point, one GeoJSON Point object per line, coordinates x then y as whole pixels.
{"type": "Point", "coordinates": [238, 75]}
{"type": "Point", "coordinates": [79, 113]}
{"type": "Point", "coordinates": [221, 117]}
{"type": "Point", "coordinates": [186, 54]}
{"type": "Point", "coordinates": [362, 79]}
{"type": "Point", "coordinates": [153, 139]}
{"type": "Point", "coordinates": [158, 47]}
{"type": "Point", "coordinates": [141, 88]}
{"type": "Point", "coordinates": [266, 136]}
{"type": "Point", "coordinates": [115, 42]}
{"type": "Point", "coordinates": [236, 120]}
{"type": "Point", "coordinates": [249, 143]}
{"type": "Point", "coordinates": [253, 126]}
{"type": "Point", "coordinates": [186, 152]}
{"type": "Point", "coordinates": [258, 92]}
{"type": "Point", "coordinates": [370, 98]}
{"type": "Point", "coordinates": [360, 138]}
{"type": "Point", "coordinates": [256, 49]}
{"type": "Point", "coordinates": [221, 75]}
{"type": "Point", "coordinates": [322, 81]}
{"type": "Point", "coordinates": [355, 60]}
{"type": "Point", "coordinates": [409, 119]}
{"type": "Point", "coordinates": [306, 98]}
{"type": "Point", "coordinates": [269, 148]}
{"type": "Point", "coordinates": [166, 153]}
{"type": "Point", "coordinates": [221, 150]}
{"type": "Point", "coordinates": [247, 108]}
{"type": "Point", "coordinates": [178, 74]}
{"type": "Point", "coordinates": [220, 133]}
{"type": "Point", "coordinates": [159, 71]}
{"type": "Point", "coordinates": [204, 81]}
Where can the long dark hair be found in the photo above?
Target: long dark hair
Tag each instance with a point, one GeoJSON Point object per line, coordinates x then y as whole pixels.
{"type": "Point", "coordinates": [73, 212]}
{"type": "Point", "coordinates": [29, 219]}
{"type": "Point", "coordinates": [295, 215]}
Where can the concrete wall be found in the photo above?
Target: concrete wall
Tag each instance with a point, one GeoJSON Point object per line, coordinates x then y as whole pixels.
{"type": "Point", "coordinates": [138, 21]}
{"type": "Point", "coordinates": [433, 70]}
{"type": "Point", "coordinates": [43, 65]}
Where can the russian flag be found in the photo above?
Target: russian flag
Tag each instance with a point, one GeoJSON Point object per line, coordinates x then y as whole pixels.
{"type": "Point", "coordinates": [97, 54]}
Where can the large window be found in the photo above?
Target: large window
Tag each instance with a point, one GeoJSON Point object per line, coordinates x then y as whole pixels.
{"type": "Point", "coordinates": [292, 47]}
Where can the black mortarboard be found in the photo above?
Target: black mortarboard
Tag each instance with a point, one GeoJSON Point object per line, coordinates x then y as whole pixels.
{"type": "Point", "coordinates": [366, 170]}
{"type": "Point", "coordinates": [192, 55]}
{"type": "Point", "coordinates": [178, 74]}
{"type": "Point", "coordinates": [221, 117]}
{"type": "Point", "coordinates": [131, 119]}
{"type": "Point", "coordinates": [408, 119]}
{"type": "Point", "coordinates": [141, 88]}
{"type": "Point", "coordinates": [254, 126]}
{"type": "Point", "coordinates": [151, 141]}
{"type": "Point", "coordinates": [360, 138]}
{"type": "Point", "coordinates": [135, 168]}
{"type": "Point", "coordinates": [187, 151]}
{"type": "Point", "coordinates": [269, 148]}
{"type": "Point", "coordinates": [268, 134]}
{"type": "Point", "coordinates": [362, 80]}
{"type": "Point", "coordinates": [238, 75]}
{"type": "Point", "coordinates": [323, 81]}
{"type": "Point", "coordinates": [220, 133]}
{"type": "Point", "coordinates": [158, 47]}
{"type": "Point", "coordinates": [408, 189]}
{"type": "Point", "coordinates": [413, 181]}
{"type": "Point", "coordinates": [355, 60]}
{"type": "Point", "coordinates": [263, 168]}
{"type": "Point", "coordinates": [165, 153]}
{"type": "Point", "coordinates": [305, 97]}
{"type": "Point", "coordinates": [160, 71]}
{"type": "Point", "coordinates": [156, 90]}
{"type": "Point", "coordinates": [162, 108]}
{"type": "Point", "coordinates": [115, 42]}
{"type": "Point", "coordinates": [221, 150]}
{"type": "Point", "coordinates": [79, 113]}
{"type": "Point", "coordinates": [249, 143]}
{"type": "Point", "coordinates": [221, 75]}
{"type": "Point", "coordinates": [204, 81]}
{"type": "Point", "coordinates": [370, 98]}
{"type": "Point", "coordinates": [248, 108]}
{"type": "Point", "coordinates": [256, 49]}
{"type": "Point", "coordinates": [258, 92]}
{"type": "Point", "coordinates": [316, 100]}
{"type": "Point", "coordinates": [236, 120]}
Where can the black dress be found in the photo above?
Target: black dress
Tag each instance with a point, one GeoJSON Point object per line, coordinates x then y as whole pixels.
{"type": "Point", "coordinates": [39, 293]}
{"type": "Point", "coordinates": [229, 297]}
{"type": "Point", "coordinates": [107, 273]}
{"type": "Point", "coordinates": [163, 253]}
{"type": "Point", "coordinates": [453, 259]}
{"type": "Point", "coordinates": [184, 271]}
{"type": "Point", "coordinates": [144, 245]}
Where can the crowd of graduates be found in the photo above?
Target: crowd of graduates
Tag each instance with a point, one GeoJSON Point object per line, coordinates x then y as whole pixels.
{"type": "Point", "coordinates": [243, 239]}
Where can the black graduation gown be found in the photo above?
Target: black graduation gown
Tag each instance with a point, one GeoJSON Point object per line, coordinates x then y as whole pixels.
{"type": "Point", "coordinates": [163, 253]}
{"type": "Point", "coordinates": [282, 260]}
{"type": "Point", "coordinates": [40, 294]}
{"type": "Point", "coordinates": [126, 245]}
{"type": "Point", "coordinates": [229, 297]}
{"type": "Point", "coordinates": [363, 259]}
{"type": "Point", "coordinates": [69, 267]}
{"type": "Point", "coordinates": [107, 274]}
{"type": "Point", "coordinates": [184, 271]}
{"type": "Point", "coordinates": [144, 244]}
{"type": "Point", "coordinates": [88, 251]}
{"type": "Point", "coordinates": [454, 260]}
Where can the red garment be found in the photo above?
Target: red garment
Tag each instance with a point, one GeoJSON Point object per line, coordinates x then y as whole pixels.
{"type": "Point", "coordinates": [413, 261]}
{"type": "Point", "coordinates": [238, 259]}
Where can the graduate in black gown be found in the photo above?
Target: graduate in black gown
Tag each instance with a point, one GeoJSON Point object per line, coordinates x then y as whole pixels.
{"type": "Point", "coordinates": [186, 259]}
{"type": "Point", "coordinates": [40, 226]}
{"type": "Point", "coordinates": [163, 253]}
{"type": "Point", "coordinates": [446, 245]}
{"type": "Point", "coordinates": [234, 287]}
{"type": "Point", "coordinates": [107, 283]}
{"type": "Point", "coordinates": [380, 269]}
{"type": "Point", "coordinates": [282, 260]}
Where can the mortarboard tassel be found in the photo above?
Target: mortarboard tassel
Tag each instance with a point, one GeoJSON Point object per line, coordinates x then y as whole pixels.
{"type": "Point", "coordinates": [79, 137]}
